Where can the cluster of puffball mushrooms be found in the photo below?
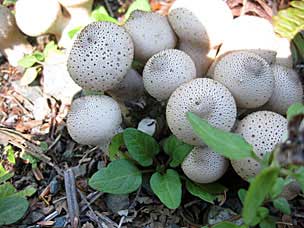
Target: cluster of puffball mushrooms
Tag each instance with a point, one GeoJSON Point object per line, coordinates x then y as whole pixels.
{"type": "Point", "coordinates": [197, 59]}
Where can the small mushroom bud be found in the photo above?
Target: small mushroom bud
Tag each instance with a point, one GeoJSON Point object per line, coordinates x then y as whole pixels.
{"type": "Point", "coordinates": [263, 130]}
{"type": "Point", "coordinates": [93, 120]}
{"type": "Point", "coordinates": [167, 70]}
{"type": "Point", "coordinates": [202, 165]}
{"type": "Point", "coordinates": [13, 44]}
{"type": "Point", "coordinates": [100, 56]}
{"type": "Point", "coordinates": [205, 97]}
{"type": "Point", "coordinates": [150, 32]}
{"type": "Point", "coordinates": [247, 76]}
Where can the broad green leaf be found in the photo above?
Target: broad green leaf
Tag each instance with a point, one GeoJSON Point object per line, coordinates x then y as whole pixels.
{"type": "Point", "coordinates": [282, 205]}
{"type": "Point", "coordinates": [29, 76]}
{"type": "Point", "coordinates": [12, 209]}
{"type": "Point", "coordinates": [299, 176]}
{"type": "Point", "coordinates": [39, 56]}
{"type": "Point", "coordinates": [262, 213]}
{"type": "Point", "coordinates": [196, 190]}
{"type": "Point", "coordinates": [141, 146]}
{"type": "Point", "coordinates": [27, 61]}
{"type": "Point", "coordinates": [298, 4]}
{"type": "Point", "coordinates": [10, 153]}
{"type": "Point", "coordinates": [116, 143]}
{"type": "Point", "coordinates": [259, 188]}
{"type": "Point", "coordinates": [242, 194]}
{"type": "Point", "coordinates": [27, 192]}
{"type": "Point", "coordinates": [74, 31]}
{"type": "Point", "coordinates": [168, 188]}
{"type": "Point", "coordinates": [176, 149]}
{"type": "Point", "coordinates": [6, 190]}
{"type": "Point", "coordinates": [294, 110]}
{"type": "Point", "coordinates": [225, 225]}
{"type": "Point", "coordinates": [279, 186]}
{"type": "Point", "coordinates": [101, 14]}
{"type": "Point", "coordinates": [44, 146]}
{"type": "Point", "coordinates": [4, 174]}
{"type": "Point", "coordinates": [267, 223]}
{"type": "Point", "coordinates": [143, 5]}
{"type": "Point", "coordinates": [227, 144]}
{"type": "Point", "coordinates": [29, 158]}
{"type": "Point", "coordinates": [119, 177]}
{"type": "Point", "coordinates": [9, 2]}
{"type": "Point", "coordinates": [50, 47]}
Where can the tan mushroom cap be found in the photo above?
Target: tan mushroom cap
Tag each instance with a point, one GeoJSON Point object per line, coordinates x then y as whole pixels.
{"type": "Point", "coordinates": [36, 17]}
{"type": "Point", "coordinates": [202, 23]}
{"type": "Point", "coordinates": [207, 98]}
{"type": "Point", "coordinates": [167, 70]}
{"type": "Point", "coordinates": [150, 32]}
{"type": "Point", "coordinates": [263, 130]}
{"type": "Point", "coordinates": [202, 165]}
{"type": "Point", "coordinates": [288, 89]}
{"type": "Point", "coordinates": [101, 56]}
{"type": "Point", "coordinates": [253, 34]}
{"type": "Point", "coordinates": [247, 76]}
{"type": "Point", "coordinates": [93, 120]}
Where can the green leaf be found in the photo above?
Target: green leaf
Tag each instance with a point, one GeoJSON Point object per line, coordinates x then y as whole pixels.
{"type": "Point", "coordinates": [278, 187]}
{"type": "Point", "coordinates": [294, 110]}
{"type": "Point", "coordinates": [176, 149]}
{"type": "Point", "coordinates": [143, 5]}
{"type": "Point", "coordinates": [12, 209]}
{"type": "Point", "coordinates": [299, 176]}
{"type": "Point", "coordinates": [39, 56]}
{"type": "Point", "coordinates": [10, 153]}
{"type": "Point", "coordinates": [141, 146]}
{"type": "Point", "coordinates": [9, 2]}
{"type": "Point", "coordinates": [168, 188]}
{"type": "Point", "coordinates": [196, 190]}
{"type": "Point", "coordinates": [282, 205]}
{"type": "Point", "coordinates": [29, 158]}
{"type": "Point", "coordinates": [27, 61]}
{"type": "Point", "coordinates": [74, 31]}
{"type": "Point", "coordinates": [268, 223]}
{"type": "Point", "coordinates": [116, 143]}
{"type": "Point", "coordinates": [50, 47]}
{"type": "Point", "coordinates": [119, 177]}
{"type": "Point", "coordinates": [242, 194]}
{"type": "Point", "coordinates": [4, 174]}
{"type": "Point", "coordinates": [101, 14]}
{"type": "Point", "coordinates": [227, 144]}
{"type": "Point", "coordinates": [27, 192]}
{"type": "Point", "coordinates": [44, 146]}
{"type": "Point", "coordinates": [259, 188]}
{"type": "Point", "coordinates": [29, 76]}
{"type": "Point", "coordinates": [6, 190]}
{"type": "Point", "coordinates": [225, 225]}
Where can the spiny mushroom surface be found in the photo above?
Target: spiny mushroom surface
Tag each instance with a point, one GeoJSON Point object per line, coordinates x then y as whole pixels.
{"type": "Point", "coordinates": [202, 23]}
{"type": "Point", "coordinates": [247, 76]}
{"type": "Point", "coordinates": [205, 97]}
{"type": "Point", "coordinates": [263, 130]}
{"type": "Point", "coordinates": [150, 32]}
{"type": "Point", "coordinates": [13, 44]}
{"type": "Point", "coordinates": [36, 17]}
{"type": "Point", "coordinates": [93, 120]}
{"type": "Point", "coordinates": [167, 70]}
{"type": "Point", "coordinates": [101, 56]}
{"type": "Point", "coordinates": [202, 165]}
{"type": "Point", "coordinates": [254, 34]}
{"type": "Point", "coordinates": [288, 89]}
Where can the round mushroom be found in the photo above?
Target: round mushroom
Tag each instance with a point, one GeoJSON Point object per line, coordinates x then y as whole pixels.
{"type": "Point", "coordinates": [167, 70]}
{"type": "Point", "coordinates": [93, 120]}
{"type": "Point", "coordinates": [100, 56]}
{"type": "Point", "coordinates": [36, 17]}
{"type": "Point", "coordinates": [13, 44]}
{"type": "Point", "coordinates": [288, 89]}
{"type": "Point", "coordinates": [202, 165]}
{"type": "Point", "coordinates": [263, 130]}
{"type": "Point", "coordinates": [205, 97]}
{"type": "Point", "coordinates": [247, 76]}
{"type": "Point", "coordinates": [150, 32]}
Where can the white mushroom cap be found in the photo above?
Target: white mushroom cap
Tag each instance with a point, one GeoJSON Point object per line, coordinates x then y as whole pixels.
{"type": "Point", "coordinates": [247, 76]}
{"type": "Point", "coordinates": [202, 165]}
{"type": "Point", "coordinates": [167, 70]}
{"type": "Point", "coordinates": [201, 56]}
{"type": "Point", "coordinates": [205, 97]}
{"type": "Point", "coordinates": [93, 120]}
{"type": "Point", "coordinates": [13, 44]}
{"type": "Point", "coordinates": [202, 23]}
{"type": "Point", "coordinates": [263, 130]}
{"type": "Point", "coordinates": [101, 56]}
{"type": "Point", "coordinates": [288, 89]}
{"type": "Point", "coordinates": [150, 32]}
{"type": "Point", "coordinates": [251, 33]}
{"type": "Point", "coordinates": [284, 55]}
{"type": "Point", "coordinates": [36, 17]}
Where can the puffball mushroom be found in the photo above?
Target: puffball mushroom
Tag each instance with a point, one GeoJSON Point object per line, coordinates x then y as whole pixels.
{"type": "Point", "coordinates": [251, 33]}
{"type": "Point", "coordinates": [288, 89]}
{"type": "Point", "coordinates": [201, 23]}
{"type": "Point", "coordinates": [93, 120]}
{"type": "Point", "coordinates": [167, 70]}
{"type": "Point", "coordinates": [100, 56]}
{"type": "Point", "coordinates": [13, 44]}
{"type": "Point", "coordinates": [247, 76]}
{"type": "Point", "coordinates": [36, 17]}
{"type": "Point", "coordinates": [202, 165]}
{"type": "Point", "coordinates": [150, 32]}
{"type": "Point", "coordinates": [263, 130]}
{"type": "Point", "coordinates": [284, 55]}
{"type": "Point", "coordinates": [205, 97]}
